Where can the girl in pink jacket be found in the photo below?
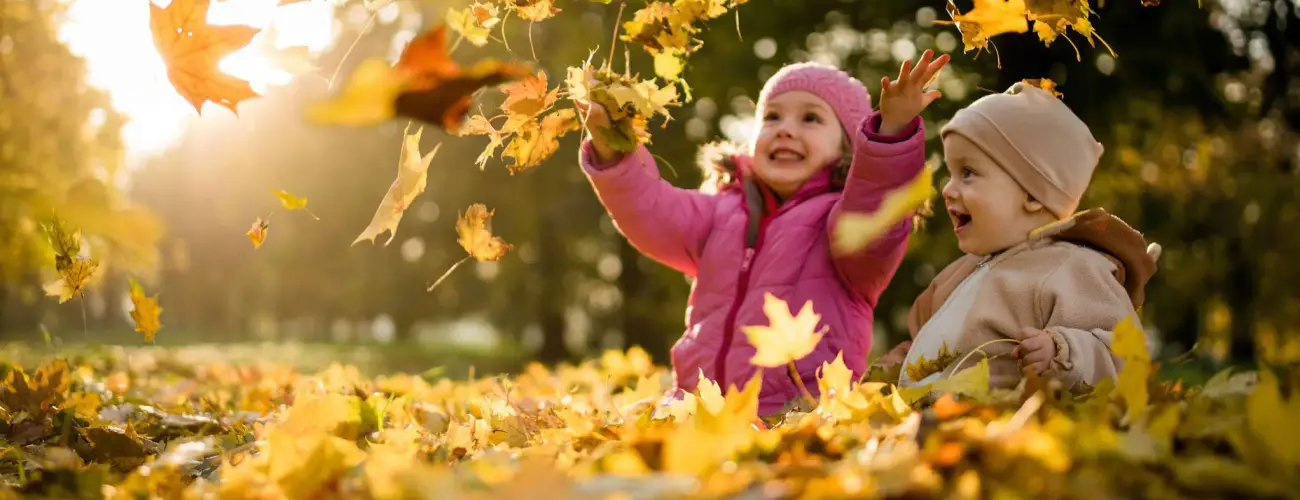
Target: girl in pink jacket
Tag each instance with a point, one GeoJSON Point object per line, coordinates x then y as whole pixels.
{"type": "Point", "coordinates": [820, 151]}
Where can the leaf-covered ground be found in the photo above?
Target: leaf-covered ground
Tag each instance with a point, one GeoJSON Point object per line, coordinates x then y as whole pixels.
{"type": "Point", "coordinates": [154, 425]}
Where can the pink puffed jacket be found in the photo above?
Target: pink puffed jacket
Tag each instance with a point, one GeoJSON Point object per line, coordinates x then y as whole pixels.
{"type": "Point", "coordinates": [785, 252]}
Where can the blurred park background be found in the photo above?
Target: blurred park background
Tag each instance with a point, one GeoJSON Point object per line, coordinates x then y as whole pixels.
{"type": "Point", "coordinates": [1198, 108]}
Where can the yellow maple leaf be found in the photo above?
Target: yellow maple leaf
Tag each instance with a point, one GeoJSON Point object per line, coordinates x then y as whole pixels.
{"type": "Point", "coordinates": [988, 18]}
{"type": "Point", "coordinates": [534, 142]}
{"type": "Point", "coordinates": [412, 176]}
{"type": "Point", "coordinates": [191, 49]}
{"type": "Point", "coordinates": [1053, 17]}
{"type": "Point", "coordinates": [1267, 413]}
{"type": "Point", "coordinates": [710, 439]}
{"type": "Point", "coordinates": [710, 395]}
{"type": "Point", "coordinates": [534, 10]}
{"type": "Point", "coordinates": [923, 367]}
{"type": "Point", "coordinates": [787, 338]}
{"type": "Point", "coordinates": [1130, 345]}
{"type": "Point", "coordinates": [146, 313]}
{"type": "Point", "coordinates": [855, 231]}
{"type": "Point", "coordinates": [836, 384]}
{"type": "Point", "coordinates": [257, 234]}
{"type": "Point", "coordinates": [474, 233]}
{"type": "Point", "coordinates": [528, 97]}
{"type": "Point", "coordinates": [292, 202]}
{"type": "Point", "coordinates": [72, 279]}
{"type": "Point", "coordinates": [1043, 83]}
{"type": "Point", "coordinates": [474, 22]}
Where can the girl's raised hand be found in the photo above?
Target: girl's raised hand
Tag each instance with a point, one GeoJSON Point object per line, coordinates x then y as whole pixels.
{"type": "Point", "coordinates": [903, 99]}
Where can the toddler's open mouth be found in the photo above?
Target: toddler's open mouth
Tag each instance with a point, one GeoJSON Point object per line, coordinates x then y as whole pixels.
{"type": "Point", "coordinates": [960, 219]}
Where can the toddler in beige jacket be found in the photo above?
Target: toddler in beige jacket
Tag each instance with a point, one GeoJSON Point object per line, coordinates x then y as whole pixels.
{"type": "Point", "coordinates": [1035, 271]}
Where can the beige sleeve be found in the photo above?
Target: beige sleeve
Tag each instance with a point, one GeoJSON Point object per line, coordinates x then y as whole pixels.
{"type": "Point", "coordinates": [1082, 302]}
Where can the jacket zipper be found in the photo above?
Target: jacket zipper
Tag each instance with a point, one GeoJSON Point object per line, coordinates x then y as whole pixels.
{"type": "Point", "coordinates": [742, 287]}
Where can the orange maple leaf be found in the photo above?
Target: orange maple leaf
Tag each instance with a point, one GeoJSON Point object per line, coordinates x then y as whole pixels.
{"type": "Point", "coordinates": [437, 89]}
{"type": "Point", "coordinates": [191, 49]}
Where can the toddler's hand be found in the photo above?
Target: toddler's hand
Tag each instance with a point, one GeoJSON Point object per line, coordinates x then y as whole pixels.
{"type": "Point", "coordinates": [1035, 351]}
{"type": "Point", "coordinates": [596, 118]}
{"type": "Point", "coordinates": [903, 99]}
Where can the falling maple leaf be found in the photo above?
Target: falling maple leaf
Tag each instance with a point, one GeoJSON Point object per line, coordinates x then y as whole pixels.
{"type": "Point", "coordinates": [292, 202]}
{"type": "Point", "coordinates": [294, 60]}
{"type": "Point", "coordinates": [474, 22]}
{"type": "Point", "coordinates": [988, 18]}
{"type": "Point", "coordinates": [525, 99]}
{"type": "Point", "coordinates": [257, 234]}
{"type": "Point", "coordinates": [474, 233]}
{"type": "Point", "coordinates": [533, 10]}
{"type": "Point", "coordinates": [854, 231]}
{"type": "Point", "coordinates": [146, 313]}
{"type": "Point", "coordinates": [191, 49]}
{"type": "Point", "coordinates": [1053, 17]}
{"type": "Point", "coordinates": [425, 85]}
{"type": "Point", "coordinates": [1043, 83]}
{"type": "Point", "coordinates": [535, 142]}
{"type": "Point", "coordinates": [412, 175]}
{"type": "Point", "coordinates": [74, 269]}
{"type": "Point", "coordinates": [439, 90]}
{"type": "Point", "coordinates": [786, 338]}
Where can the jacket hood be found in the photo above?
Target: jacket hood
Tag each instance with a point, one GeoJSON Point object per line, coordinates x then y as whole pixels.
{"type": "Point", "coordinates": [1135, 260]}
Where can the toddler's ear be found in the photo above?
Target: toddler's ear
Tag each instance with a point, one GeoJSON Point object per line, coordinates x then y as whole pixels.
{"type": "Point", "coordinates": [1033, 206]}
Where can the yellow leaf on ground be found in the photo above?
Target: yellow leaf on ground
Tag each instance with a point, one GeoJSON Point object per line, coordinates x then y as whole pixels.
{"type": "Point", "coordinates": [474, 233]}
{"type": "Point", "coordinates": [1130, 344]}
{"type": "Point", "coordinates": [855, 231]}
{"type": "Point", "coordinates": [786, 338]}
{"type": "Point", "coordinates": [412, 175]}
{"type": "Point", "coordinates": [191, 49]}
{"type": "Point", "coordinates": [146, 313]}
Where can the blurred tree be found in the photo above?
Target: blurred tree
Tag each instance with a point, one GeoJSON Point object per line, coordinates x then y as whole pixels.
{"type": "Point", "coordinates": [60, 154]}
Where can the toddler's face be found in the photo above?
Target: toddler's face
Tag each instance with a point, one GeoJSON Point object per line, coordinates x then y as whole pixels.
{"type": "Point", "coordinates": [800, 135]}
{"type": "Point", "coordinates": [990, 212]}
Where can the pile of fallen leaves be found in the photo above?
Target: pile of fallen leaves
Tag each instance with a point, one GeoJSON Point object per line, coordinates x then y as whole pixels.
{"type": "Point", "coordinates": [153, 426]}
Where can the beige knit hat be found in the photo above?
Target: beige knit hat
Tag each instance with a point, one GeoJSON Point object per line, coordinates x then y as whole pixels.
{"type": "Point", "coordinates": [1036, 139]}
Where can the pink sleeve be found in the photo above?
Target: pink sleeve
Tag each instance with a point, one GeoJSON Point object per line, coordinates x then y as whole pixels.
{"type": "Point", "coordinates": [881, 163]}
{"type": "Point", "coordinates": [667, 223]}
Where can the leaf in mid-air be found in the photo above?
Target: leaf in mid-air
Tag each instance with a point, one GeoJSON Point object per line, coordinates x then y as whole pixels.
{"type": "Point", "coordinates": [855, 231]}
{"type": "Point", "coordinates": [292, 202]}
{"type": "Point", "coordinates": [787, 337]}
{"type": "Point", "coordinates": [474, 233]}
{"type": "Point", "coordinates": [426, 84]}
{"type": "Point", "coordinates": [146, 313]}
{"type": "Point", "coordinates": [412, 174]}
{"type": "Point", "coordinates": [191, 49]}
{"type": "Point", "coordinates": [257, 234]}
{"type": "Point", "coordinates": [987, 19]}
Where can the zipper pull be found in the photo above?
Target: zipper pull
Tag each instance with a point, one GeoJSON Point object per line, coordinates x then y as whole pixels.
{"type": "Point", "coordinates": [749, 258]}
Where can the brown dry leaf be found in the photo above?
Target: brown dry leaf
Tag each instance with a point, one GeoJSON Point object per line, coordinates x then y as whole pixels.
{"type": "Point", "coordinates": [412, 175]}
{"type": "Point", "coordinates": [474, 233]}
{"type": "Point", "coordinates": [191, 48]}
{"type": "Point", "coordinates": [146, 313]}
{"type": "Point", "coordinates": [439, 90]}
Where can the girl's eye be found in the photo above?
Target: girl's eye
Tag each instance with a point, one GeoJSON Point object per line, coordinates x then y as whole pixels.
{"type": "Point", "coordinates": [812, 117]}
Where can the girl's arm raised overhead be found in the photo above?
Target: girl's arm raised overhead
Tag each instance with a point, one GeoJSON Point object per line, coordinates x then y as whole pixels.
{"type": "Point", "coordinates": [889, 151]}
{"type": "Point", "coordinates": [665, 222]}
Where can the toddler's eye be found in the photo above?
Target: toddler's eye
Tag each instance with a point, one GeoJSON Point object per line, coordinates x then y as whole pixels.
{"type": "Point", "coordinates": [967, 173]}
{"type": "Point", "coordinates": [770, 117]}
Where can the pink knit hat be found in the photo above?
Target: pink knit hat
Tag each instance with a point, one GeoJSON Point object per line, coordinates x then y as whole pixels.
{"type": "Point", "coordinates": [847, 96]}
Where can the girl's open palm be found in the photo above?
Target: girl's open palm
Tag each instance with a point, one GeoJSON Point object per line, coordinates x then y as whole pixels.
{"type": "Point", "coordinates": [903, 99]}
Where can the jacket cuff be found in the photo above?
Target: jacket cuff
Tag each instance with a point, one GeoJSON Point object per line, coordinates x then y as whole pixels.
{"type": "Point", "coordinates": [591, 161]}
{"type": "Point", "coordinates": [871, 129]}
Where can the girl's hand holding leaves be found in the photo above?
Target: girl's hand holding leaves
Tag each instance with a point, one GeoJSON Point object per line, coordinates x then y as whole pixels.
{"type": "Point", "coordinates": [903, 99]}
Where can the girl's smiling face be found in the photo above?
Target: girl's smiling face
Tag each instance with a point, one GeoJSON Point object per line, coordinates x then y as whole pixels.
{"type": "Point", "coordinates": [990, 212]}
{"type": "Point", "coordinates": [799, 136]}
